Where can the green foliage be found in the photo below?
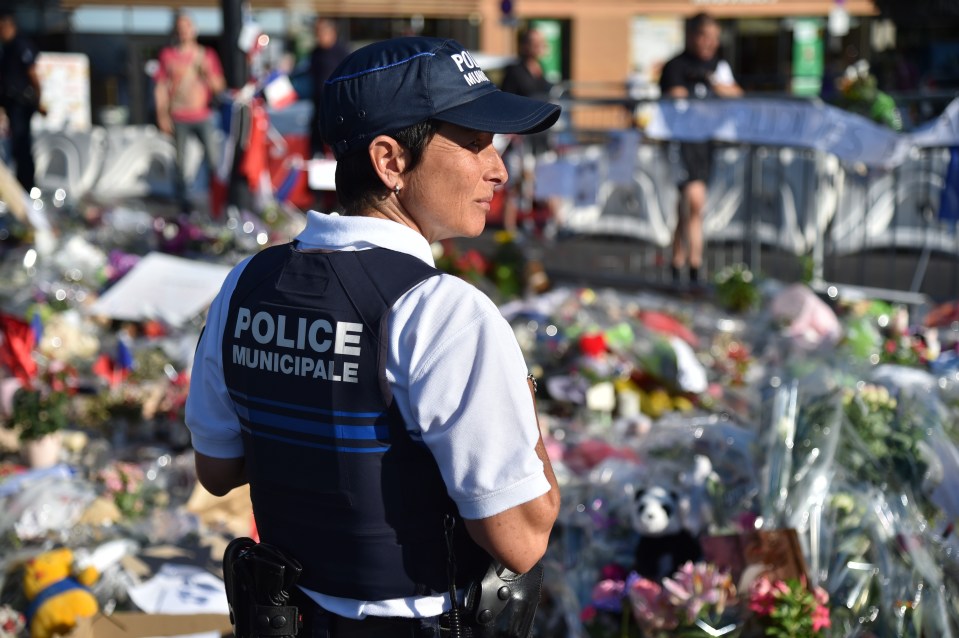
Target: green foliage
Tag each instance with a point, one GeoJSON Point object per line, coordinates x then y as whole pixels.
{"type": "Point", "coordinates": [43, 409]}
{"type": "Point", "coordinates": [789, 609]}
{"type": "Point", "coordinates": [502, 274]}
{"type": "Point", "coordinates": [37, 413]}
{"type": "Point", "coordinates": [883, 443]}
{"type": "Point", "coordinates": [736, 289]}
{"type": "Point", "coordinates": [859, 94]}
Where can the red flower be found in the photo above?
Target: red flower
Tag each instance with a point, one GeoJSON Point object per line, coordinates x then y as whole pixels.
{"type": "Point", "coordinates": [737, 352]}
{"type": "Point", "coordinates": [471, 261]}
{"type": "Point", "coordinates": [593, 345]}
{"type": "Point", "coordinates": [614, 572]}
{"type": "Point", "coordinates": [588, 613]}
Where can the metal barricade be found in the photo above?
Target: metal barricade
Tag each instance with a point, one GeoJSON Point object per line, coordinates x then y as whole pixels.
{"type": "Point", "coordinates": [788, 213]}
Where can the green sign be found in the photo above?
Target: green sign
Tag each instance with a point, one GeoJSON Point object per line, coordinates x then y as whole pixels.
{"type": "Point", "coordinates": [806, 85]}
{"type": "Point", "coordinates": [553, 60]}
{"type": "Point", "coordinates": [807, 56]}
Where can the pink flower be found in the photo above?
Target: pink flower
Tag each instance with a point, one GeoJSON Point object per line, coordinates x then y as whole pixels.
{"type": "Point", "coordinates": [781, 603]}
{"type": "Point", "coordinates": [608, 595]}
{"type": "Point", "coordinates": [762, 598]}
{"type": "Point", "coordinates": [698, 585]}
{"type": "Point", "coordinates": [111, 480]}
{"type": "Point", "coordinates": [822, 596]}
{"type": "Point", "coordinates": [645, 591]}
{"type": "Point", "coordinates": [651, 608]}
{"type": "Point", "coordinates": [820, 618]}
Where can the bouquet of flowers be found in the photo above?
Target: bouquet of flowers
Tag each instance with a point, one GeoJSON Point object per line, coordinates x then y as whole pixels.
{"type": "Point", "coordinates": [878, 332]}
{"type": "Point", "coordinates": [608, 615]}
{"type": "Point", "coordinates": [698, 600]}
{"type": "Point", "coordinates": [859, 94]}
{"type": "Point", "coordinates": [509, 266]}
{"type": "Point", "coordinates": [885, 442]}
{"type": "Point", "coordinates": [860, 466]}
{"type": "Point", "coordinates": [43, 407]}
{"type": "Point", "coordinates": [124, 483]}
{"type": "Point", "coordinates": [504, 273]}
{"type": "Point", "coordinates": [789, 608]}
{"type": "Point", "coordinates": [470, 265]}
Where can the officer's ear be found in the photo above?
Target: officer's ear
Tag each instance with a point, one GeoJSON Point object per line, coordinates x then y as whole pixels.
{"type": "Point", "coordinates": [389, 159]}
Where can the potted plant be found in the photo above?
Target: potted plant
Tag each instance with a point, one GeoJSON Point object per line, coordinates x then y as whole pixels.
{"type": "Point", "coordinates": [39, 412]}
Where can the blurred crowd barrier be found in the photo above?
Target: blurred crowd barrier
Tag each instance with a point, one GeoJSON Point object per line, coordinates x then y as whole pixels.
{"type": "Point", "coordinates": [112, 163]}
{"type": "Point", "coordinates": [798, 187]}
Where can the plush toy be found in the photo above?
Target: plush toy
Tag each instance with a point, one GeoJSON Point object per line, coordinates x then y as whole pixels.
{"type": "Point", "coordinates": [664, 542]}
{"type": "Point", "coordinates": [57, 596]}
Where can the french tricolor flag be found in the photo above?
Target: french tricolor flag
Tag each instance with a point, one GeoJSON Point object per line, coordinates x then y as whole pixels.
{"type": "Point", "coordinates": [278, 91]}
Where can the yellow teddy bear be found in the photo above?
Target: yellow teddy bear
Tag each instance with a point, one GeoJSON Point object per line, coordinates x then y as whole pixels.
{"type": "Point", "coordinates": [57, 596]}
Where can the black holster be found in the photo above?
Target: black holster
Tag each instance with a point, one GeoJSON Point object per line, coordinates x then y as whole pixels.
{"type": "Point", "coordinates": [259, 581]}
{"type": "Point", "coordinates": [503, 604]}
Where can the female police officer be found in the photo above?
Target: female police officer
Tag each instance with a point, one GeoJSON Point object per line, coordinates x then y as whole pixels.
{"type": "Point", "coordinates": [377, 407]}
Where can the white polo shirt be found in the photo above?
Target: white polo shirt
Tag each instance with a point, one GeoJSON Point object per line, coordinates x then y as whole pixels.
{"type": "Point", "coordinates": [458, 377]}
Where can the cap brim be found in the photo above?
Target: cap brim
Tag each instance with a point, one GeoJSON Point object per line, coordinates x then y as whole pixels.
{"type": "Point", "coordinates": [502, 112]}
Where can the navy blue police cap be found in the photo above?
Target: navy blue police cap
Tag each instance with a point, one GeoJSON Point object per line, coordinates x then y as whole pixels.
{"type": "Point", "coordinates": [387, 86]}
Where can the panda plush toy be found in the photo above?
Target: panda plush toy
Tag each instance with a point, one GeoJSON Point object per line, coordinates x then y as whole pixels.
{"type": "Point", "coordinates": [664, 542]}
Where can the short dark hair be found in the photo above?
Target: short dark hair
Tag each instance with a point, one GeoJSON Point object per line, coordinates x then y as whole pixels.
{"type": "Point", "coordinates": [525, 38]}
{"type": "Point", "coordinates": [357, 185]}
{"type": "Point", "coordinates": [696, 23]}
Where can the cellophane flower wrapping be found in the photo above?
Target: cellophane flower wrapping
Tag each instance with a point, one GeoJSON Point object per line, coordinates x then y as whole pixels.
{"type": "Point", "coordinates": [831, 436]}
{"type": "Point", "coordinates": [859, 462]}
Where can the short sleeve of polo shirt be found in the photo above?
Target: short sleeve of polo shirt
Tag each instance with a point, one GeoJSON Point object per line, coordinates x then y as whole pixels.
{"type": "Point", "coordinates": [210, 415]}
{"type": "Point", "coordinates": [672, 75]}
{"type": "Point", "coordinates": [459, 377]}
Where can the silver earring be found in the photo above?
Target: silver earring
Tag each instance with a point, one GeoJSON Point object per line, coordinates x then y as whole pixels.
{"type": "Point", "coordinates": [396, 189]}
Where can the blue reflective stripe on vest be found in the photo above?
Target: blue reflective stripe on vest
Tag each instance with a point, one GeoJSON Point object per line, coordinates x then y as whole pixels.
{"type": "Point", "coordinates": [265, 401]}
{"type": "Point", "coordinates": [321, 446]}
{"type": "Point", "coordinates": [331, 430]}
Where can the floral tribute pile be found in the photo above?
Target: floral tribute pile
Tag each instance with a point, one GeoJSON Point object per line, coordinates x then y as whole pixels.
{"type": "Point", "coordinates": [93, 450]}
{"type": "Point", "coordinates": [758, 461]}
{"type": "Point", "coordinates": [807, 444]}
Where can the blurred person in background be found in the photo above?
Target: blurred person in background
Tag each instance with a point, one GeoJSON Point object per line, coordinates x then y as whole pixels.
{"type": "Point", "coordinates": [19, 96]}
{"type": "Point", "coordinates": [188, 77]}
{"type": "Point", "coordinates": [327, 53]}
{"type": "Point", "coordinates": [697, 73]}
{"type": "Point", "coordinates": [525, 77]}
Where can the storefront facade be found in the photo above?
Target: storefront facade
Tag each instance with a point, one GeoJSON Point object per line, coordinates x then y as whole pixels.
{"type": "Point", "coordinates": [598, 45]}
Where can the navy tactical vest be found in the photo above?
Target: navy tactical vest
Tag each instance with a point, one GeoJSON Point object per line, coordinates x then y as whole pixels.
{"type": "Point", "coordinates": [335, 478]}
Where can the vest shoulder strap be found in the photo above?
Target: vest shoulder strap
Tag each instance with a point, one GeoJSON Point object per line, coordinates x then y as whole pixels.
{"type": "Point", "coordinates": [262, 266]}
{"type": "Point", "coordinates": [374, 279]}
